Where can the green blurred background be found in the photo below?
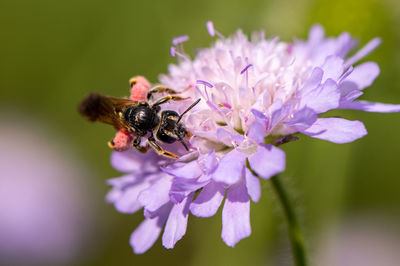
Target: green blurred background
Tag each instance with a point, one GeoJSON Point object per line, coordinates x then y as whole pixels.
{"type": "Point", "coordinates": [54, 52]}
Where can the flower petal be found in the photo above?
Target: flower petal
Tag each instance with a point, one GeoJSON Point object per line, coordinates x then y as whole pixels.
{"type": "Point", "coordinates": [132, 161]}
{"type": "Point", "coordinates": [258, 130]}
{"type": "Point", "coordinates": [128, 200]}
{"type": "Point", "coordinates": [145, 235]}
{"type": "Point", "coordinates": [156, 195]}
{"type": "Point", "coordinates": [230, 167]}
{"type": "Point", "coordinates": [268, 161]}
{"type": "Point", "coordinates": [176, 225]}
{"type": "Point", "coordinates": [333, 68]}
{"type": "Point", "coordinates": [123, 181]}
{"type": "Point", "coordinates": [148, 231]}
{"type": "Point", "coordinates": [253, 186]}
{"type": "Point", "coordinates": [322, 98]}
{"type": "Point", "coordinates": [125, 161]}
{"type": "Point", "coordinates": [369, 47]}
{"type": "Point", "coordinates": [278, 112]}
{"type": "Point", "coordinates": [236, 215]}
{"type": "Point", "coordinates": [182, 187]}
{"type": "Point", "coordinates": [208, 201]}
{"type": "Point", "coordinates": [184, 170]}
{"type": "Point", "coordinates": [209, 162]}
{"type": "Point", "coordinates": [302, 119]}
{"type": "Point", "coordinates": [363, 75]}
{"type": "Point", "coordinates": [371, 106]}
{"type": "Point", "coordinates": [313, 81]}
{"type": "Point", "coordinates": [316, 34]}
{"type": "Point", "coordinates": [337, 130]}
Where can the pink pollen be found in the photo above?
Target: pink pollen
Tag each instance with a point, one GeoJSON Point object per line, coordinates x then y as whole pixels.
{"type": "Point", "coordinates": [140, 89]}
{"type": "Point", "coordinates": [122, 140]}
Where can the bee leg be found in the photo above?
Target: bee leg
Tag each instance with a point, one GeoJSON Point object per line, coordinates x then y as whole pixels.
{"type": "Point", "coordinates": [168, 98]}
{"type": "Point", "coordinates": [142, 149]}
{"type": "Point", "coordinates": [160, 89]}
{"type": "Point", "coordinates": [160, 150]}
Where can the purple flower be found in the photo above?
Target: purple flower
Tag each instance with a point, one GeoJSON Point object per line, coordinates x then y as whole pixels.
{"type": "Point", "coordinates": [256, 94]}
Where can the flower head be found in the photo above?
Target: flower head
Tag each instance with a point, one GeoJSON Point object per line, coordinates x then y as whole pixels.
{"type": "Point", "coordinates": [256, 94]}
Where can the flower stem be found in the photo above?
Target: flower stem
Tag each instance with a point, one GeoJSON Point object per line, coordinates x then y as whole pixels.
{"type": "Point", "coordinates": [296, 237]}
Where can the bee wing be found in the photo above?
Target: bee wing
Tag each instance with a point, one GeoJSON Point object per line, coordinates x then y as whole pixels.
{"type": "Point", "coordinates": [105, 109]}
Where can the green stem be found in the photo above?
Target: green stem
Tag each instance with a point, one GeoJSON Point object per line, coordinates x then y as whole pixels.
{"type": "Point", "coordinates": [296, 237]}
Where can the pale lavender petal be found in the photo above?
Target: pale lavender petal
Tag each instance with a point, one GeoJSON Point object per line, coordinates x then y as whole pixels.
{"type": "Point", "coordinates": [123, 181]}
{"type": "Point", "coordinates": [175, 227]}
{"type": "Point", "coordinates": [230, 167]}
{"type": "Point", "coordinates": [126, 161]}
{"type": "Point", "coordinates": [371, 106]}
{"type": "Point", "coordinates": [224, 136]}
{"type": "Point", "coordinates": [253, 186]}
{"type": "Point", "coordinates": [323, 98]}
{"type": "Point", "coordinates": [259, 116]}
{"type": "Point", "coordinates": [156, 195]}
{"type": "Point", "coordinates": [349, 91]}
{"type": "Point", "coordinates": [145, 235]}
{"type": "Point", "coordinates": [369, 47]}
{"type": "Point", "coordinates": [363, 75]}
{"type": "Point", "coordinates": [208, 201]}
{"type": "Point", "coordinates": [346, 74]}
{"type": "Point", "coordinates": [128, 201]}
{"type": "Point", "coordinates": [188, 157]}
{"type": "Point", "coordinates": [133, 161]}
{"type": "Point", "coordinates": [333, 68]}
{"type": "Point", "coordinates": [236, 215]}
{"type": "Point", "coordinates": [268, 161]}
{"type": "Point", "coordinates": [351, 96]}
{"type": "Point", "coordinates": [184, 170]}
{"type": "Point", "coordinates": [345, 43]}
{"type": "Point", "coordinates": [182, 187]}
{"type": "Point", "coordinates": [258, 130]}
{"type": "Point", "coordinates": [210, 162]}
{"type": "Point", "coordinates": [302, 119]}
{"type": "Point", "coordinates": [337, 130]}
{"type": "Point", "coordinates": [278, 112]}
{"type": "Point", "coordinates": [113, 195]}
{"type": "Point", "coordinates": [148, 231]}
{"type": "Point", "coordinates": [313, 81]}
{"type": "Point", "coordinates": [316, 34]}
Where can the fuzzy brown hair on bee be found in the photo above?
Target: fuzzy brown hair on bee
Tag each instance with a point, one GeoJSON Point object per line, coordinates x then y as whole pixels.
{"type": "Point", "coordinates": [136, 119]}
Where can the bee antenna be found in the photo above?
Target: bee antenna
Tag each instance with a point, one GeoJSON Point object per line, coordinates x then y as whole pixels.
{"type": "Point", "coordinates": [188, 109]}
{"type": "Point", "coordinates": [184, 144]}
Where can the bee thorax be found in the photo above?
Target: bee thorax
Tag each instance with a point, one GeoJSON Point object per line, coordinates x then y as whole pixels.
{"type": "Point", "coordinates": [142, 118]}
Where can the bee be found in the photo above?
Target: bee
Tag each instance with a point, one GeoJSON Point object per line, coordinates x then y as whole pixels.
{"type": "Point", "coordinates": [136, 117]}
